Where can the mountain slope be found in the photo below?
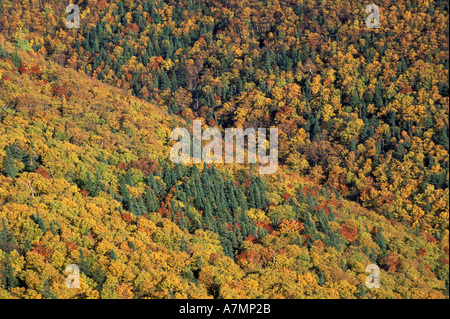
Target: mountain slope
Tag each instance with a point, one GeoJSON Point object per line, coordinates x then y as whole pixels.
{"type": "Point", "coordinates": [85, 180]}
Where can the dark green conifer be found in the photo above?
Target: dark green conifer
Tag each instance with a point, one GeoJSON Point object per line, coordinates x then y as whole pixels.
{"type": "Point", "coordinates": [47, 291]}
{"type": "Point", "coordinates": [361, 291]}
{"type": "Point", "coordinates": [10, 165]}
{"type": "Point", "coordinates": [321, 281]}
{"type": "Point", "coordinates": [113, 254]}
{"type": "Point", "coordinates": [126, 198]}
{"type": "Point", "coordinates": [8, 280]}
{"type": "Point", "coordinates": [151, 202]}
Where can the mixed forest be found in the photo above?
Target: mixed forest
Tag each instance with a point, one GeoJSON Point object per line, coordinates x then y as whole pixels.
{"type": "Point", "coordinates": [85, 175]}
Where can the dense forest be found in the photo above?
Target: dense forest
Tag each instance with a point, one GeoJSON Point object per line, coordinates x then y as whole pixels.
{"type": "Point", "coordinates": [86, 179]}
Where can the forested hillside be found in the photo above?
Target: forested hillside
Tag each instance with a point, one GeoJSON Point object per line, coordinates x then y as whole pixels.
{"type": "Point", "coordinates": [86, 177]}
